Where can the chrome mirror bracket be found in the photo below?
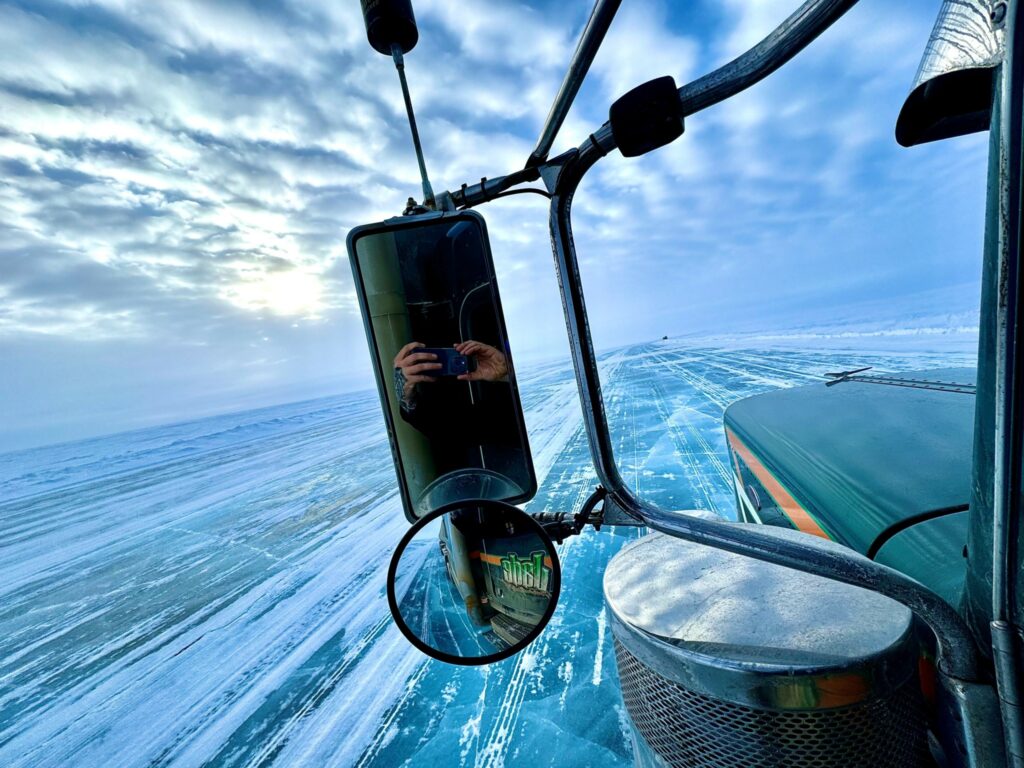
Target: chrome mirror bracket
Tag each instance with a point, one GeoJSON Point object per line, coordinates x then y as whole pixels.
{"type": "Point", "coordinates": [958, 655]}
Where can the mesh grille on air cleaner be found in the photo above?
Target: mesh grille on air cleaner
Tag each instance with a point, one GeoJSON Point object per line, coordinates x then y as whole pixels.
{"type": "Point", "coordinates": [728, 662]}
{"type": "Point", "coordinates": [689, 730]}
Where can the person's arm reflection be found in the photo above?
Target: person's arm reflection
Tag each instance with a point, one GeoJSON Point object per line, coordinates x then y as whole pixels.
{"type": "Point", "coordinates": [412, 368]}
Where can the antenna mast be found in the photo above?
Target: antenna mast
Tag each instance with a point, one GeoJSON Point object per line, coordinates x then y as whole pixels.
{"type": "Point", "coordinates": [428, 192]}
{"type": "Point", "coordinates": [391, 30]}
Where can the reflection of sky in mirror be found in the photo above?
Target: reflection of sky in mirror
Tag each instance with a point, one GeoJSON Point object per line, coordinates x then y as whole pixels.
{"type": "Point", "coordinates": [429, 532]}
{"type": "Point", "coordinates": [179, 178]}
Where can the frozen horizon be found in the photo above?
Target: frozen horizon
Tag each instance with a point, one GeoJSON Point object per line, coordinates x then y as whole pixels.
{"type": "Point", "coordinates": [198, 502]}
{"type": "Point", "coordinates": [924, 331]}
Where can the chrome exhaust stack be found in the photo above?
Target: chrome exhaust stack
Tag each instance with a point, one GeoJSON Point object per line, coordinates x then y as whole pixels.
{"type": "Point", "coordinates": [952, 92]}
{"type": "Point", "coordinates": [727, 661]}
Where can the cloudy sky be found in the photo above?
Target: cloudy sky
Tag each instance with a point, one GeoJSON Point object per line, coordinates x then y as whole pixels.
{"type": "Point", "coordinates": [178, 178]}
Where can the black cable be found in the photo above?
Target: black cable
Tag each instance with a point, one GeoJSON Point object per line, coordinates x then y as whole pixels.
{"type": "Point", "coordinates": [525, 191]}
{"type": "Point", "coordinates": [561, 525]}
{"type": "Point", "coordinates": [479, 193]}
{"type": "Point", "coordinates": [584, 515]}
{"type": "Point", "coordinates": [528, 190]}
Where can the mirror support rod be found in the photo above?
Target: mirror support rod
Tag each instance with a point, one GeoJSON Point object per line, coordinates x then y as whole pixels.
{"type": "Point", "coordinates": [785, 42]}
{"type": "Point", "coordinates": [593, 34]}
{"type": "Point", "coordinates": [958, 654]}
{"type": "Point", "coordinates": [966, 693]}
{"type": "Point", "coordinates": [789, 38]}
{"type": "Point", "coordinates": [428, 193]}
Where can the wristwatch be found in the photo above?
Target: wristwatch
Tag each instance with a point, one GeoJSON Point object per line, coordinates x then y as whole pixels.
{"type": "Point", "coordinates": [407, 404]}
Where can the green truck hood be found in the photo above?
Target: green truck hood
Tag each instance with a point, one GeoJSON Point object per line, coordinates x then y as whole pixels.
{"type": "Point", "coordinates": [931, 551]}
{"type": "Point", "coordinates": [867, 459]}
{"type": "Point", "coordinates": [517, 576]}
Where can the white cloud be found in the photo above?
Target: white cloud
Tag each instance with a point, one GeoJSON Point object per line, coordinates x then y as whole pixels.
{"type": "Point", "coordinates": [639, 47]}
{"type": "Point", "coordinates": [503, 33]}
{"type": "Point", "coordinates": [751, 21]}
{"type": "Point", "coordinates": [185, 172]}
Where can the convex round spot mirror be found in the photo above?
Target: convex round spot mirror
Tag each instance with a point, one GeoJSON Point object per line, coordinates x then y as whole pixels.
{"type": "Point", "coordinates": [474, 582]}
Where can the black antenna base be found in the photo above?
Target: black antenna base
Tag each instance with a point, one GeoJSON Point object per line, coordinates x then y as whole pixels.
{"type": "Point", "coordinates": [412, 208]}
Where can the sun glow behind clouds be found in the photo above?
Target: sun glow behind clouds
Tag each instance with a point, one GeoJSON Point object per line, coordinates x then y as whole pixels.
{"type": "Point", "coordinates": [291, 294]}
{"type": "Point", "coordinates": [179, 176]}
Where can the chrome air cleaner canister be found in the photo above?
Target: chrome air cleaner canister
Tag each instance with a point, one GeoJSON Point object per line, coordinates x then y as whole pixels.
{"type": "Point", "coordinates": [727, 661]}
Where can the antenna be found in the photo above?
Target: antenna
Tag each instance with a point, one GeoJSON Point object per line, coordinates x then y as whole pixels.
{"type": "Point", "coordinates": [391, 30]}
{"type": "Point", "coordinates": [428, 193]}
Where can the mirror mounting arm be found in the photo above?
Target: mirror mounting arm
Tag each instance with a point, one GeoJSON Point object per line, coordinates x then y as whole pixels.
{"type": "Point", "coordinates": [589, 43]}
{"type": "Point", "coordinates": [958, 654]}
{"type": "Point", "coordinates": [468, 196]}
{"type": "Point", "coordinates": [794, 34]}
{"type": "Point", "coordinates": [472, 195]}
{"type": "Point", "coordinates": [561, 525]}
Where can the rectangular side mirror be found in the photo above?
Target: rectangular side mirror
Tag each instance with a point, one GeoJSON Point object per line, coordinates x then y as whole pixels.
{"type": "Point", "coordinates": [444, 370]}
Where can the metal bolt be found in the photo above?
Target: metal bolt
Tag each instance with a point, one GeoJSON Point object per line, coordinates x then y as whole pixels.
{"type": "Point", "coordinates": [999, 13]}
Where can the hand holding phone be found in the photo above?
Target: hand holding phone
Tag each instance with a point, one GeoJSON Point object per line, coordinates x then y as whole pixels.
{"type": "Point", "coordinates": [490, 363]}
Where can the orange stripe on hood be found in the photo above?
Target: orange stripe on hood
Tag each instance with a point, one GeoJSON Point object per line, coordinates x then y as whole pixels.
{"type": "Point", "coordinates": [790, 506]}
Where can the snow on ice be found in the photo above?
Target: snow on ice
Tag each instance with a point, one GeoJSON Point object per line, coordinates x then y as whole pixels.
{"type": "Point", "coordinates": [212, 593]}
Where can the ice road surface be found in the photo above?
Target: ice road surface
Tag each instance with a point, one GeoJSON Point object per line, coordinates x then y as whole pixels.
{"type": "Point", "coordinates": [432, 607]}
{"type": "Point", "coordinates": [212, 593]}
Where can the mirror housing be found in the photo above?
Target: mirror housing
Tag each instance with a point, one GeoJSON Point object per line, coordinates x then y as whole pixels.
{"type": "Point", "coordinates": [433, 320]}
